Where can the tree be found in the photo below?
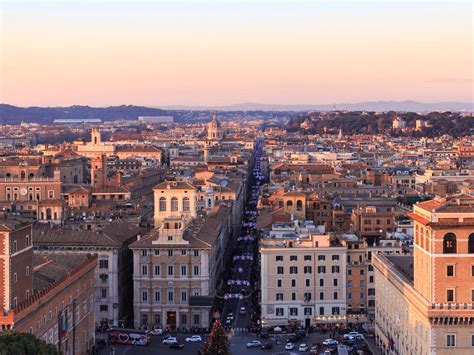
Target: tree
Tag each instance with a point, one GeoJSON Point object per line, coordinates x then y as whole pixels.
{"type": "Point", "coordinates": [217, 343]}
{"type": "Point", "coordinates": [14, 343]}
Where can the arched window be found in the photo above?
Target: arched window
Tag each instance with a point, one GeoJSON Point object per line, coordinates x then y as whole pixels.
{"type": "Point", "coordinates": [174, 204]}
{"type": "Point", "coordinates": [23, 174]}
{"type": "Point", "coordinates": [48, 214]}
{"type": "Point", "coordinates": [186, 206]}
{"type": "Point", "coordinates": [162, 204]}
{"type": "Point", "coordinates": [289, 203]}
{"type": "Point", "coordinates": [470, 244]}
{"type": "Point", "coordinates": [299, 205]}
{"type": "Point", "coordinates": [449, 243]}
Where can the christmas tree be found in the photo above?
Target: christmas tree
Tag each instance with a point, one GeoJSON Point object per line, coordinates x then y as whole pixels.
{"type": "Point", "coordinates": [217, 342]}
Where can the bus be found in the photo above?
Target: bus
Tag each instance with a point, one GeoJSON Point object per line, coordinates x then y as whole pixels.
{"type": "Point", "coordinates": [128, 336]}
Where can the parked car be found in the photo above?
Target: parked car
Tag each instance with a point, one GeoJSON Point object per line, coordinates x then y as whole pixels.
{"type": "Point", "coordinates": [168, 340]}
{"type": "Point", "coordinates": [289, 346]}
{"type": "Point", "coordinates": [330, 342]}
{"type": "Point", "coordinates": [303, 347]}
{"type": "Point", "coordinates": [315, 347]}
{"type": "Point", "coordinates": [267, 346]}
{"type": "Point", "coordinates": [176, 346]}
{"type": "Point", "coordinates": [254, 344]}
{"type": "Point", "coordinates": [301, 332]}
{"type": "Point", "coordinates": [243, 310]}
{"type": "Point", "coordinates": [156, 331]}
{"type": "Point", "coordinates": [193, 338]}
{"type": "Point", "coordinates": [353, 335]}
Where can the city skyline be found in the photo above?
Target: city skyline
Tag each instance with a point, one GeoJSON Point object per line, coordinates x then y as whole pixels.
{"type": "Point", "coordinates": [221, 53]}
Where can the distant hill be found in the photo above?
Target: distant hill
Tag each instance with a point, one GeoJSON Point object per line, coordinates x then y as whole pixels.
{"type": "Point", "coordinates": [407, 106]}
{"type": "Point", "coordinates": [12, 114]}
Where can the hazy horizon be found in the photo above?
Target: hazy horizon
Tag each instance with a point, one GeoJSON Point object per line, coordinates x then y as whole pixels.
{"type": "Point", "coordinates": [216, 53]}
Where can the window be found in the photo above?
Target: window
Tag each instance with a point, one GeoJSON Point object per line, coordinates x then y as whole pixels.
{"type": "Point", "coordinates": [321, 311]}
{"type": "Point", "coordinates": [103, 292]}
{"type": "Point", "coordinates": [279, 296]}
{"type": "Point", "coordinates": [196, 252]}
{"type": "Point", "coordinates": [157, 252]}
{"type": "Point", "coordinates": [472, 295]}
{"type": "Point", "coordinates": [184, 296]}
{"type": "Point", "coordinates": [197, 319]}
{"type": "Point", "coordinates": [371, 279]}
{"type": "Point", "coordinates": [27, 271]}
{"type": "Point", "coordinates": [321, 257]}
{"type": "Point", "coordinates": [335, 257]}
{"type": "Point", "coordinates": [449, 270]}
{"type": "Point", "coordinates": [104, 277]}
{"type": "Point", "coordinates": [308, 311]}
{"type": "Point", "coordinates": [170, 296]}
{"type": "Point", "coordinates": [472, 340]}
{"type": "Point", "coordinates": [170, 270]}
{"type": "Point", "coordinates": [449, 295]}
{"type": "Point", "coordinates": [293, 311]}
{"type": "Point", "coordinates": [186, 204]}
{"type": "Point", "coordinates": [307, 258]}
{"type": "Point", "coordinates": [144, 296]}
{"type": "Point", "coordinates": [104, 308]}
{"type": "Point", "coordinates": [15, 277]}
{"type": "Point", "coordinates": [293, 296]}
{"type": "Point", "coordinates": [293, 283]}
{"type": "Point", "coordinates": [321, 269]}
{"type": "Point", "coordinates": [174, 204]}
{"type": "Point", "coordinates": [308, 269]}
{"type": "Point", "coordinates": [14, 247]}
{"type": "Point", "coordinates": [279, 269]}
{"type": "Point", "coordinates": [349, 283]}
{"type": "Point", "coordinates": [144, 270]}
{"type": "Point", "coordinates": [321, 282]}
{"type": "Point", "coordinates": [293, 258]}
{"type": "Point", "coordinates": [307, 296]}
{"type": "Point", "coordinates": [349, 272]}
{"type": "Point", "coordinates": [293, 269]}
{"type": "Point", "coordinates": [144, 252]}
{"type": "Point", "coordinates": [170, 238]}
{"type": "Point", "coordinates": [334, 282]}
{"type": "Point", "coordinates": [335, 295]}
{"type": "Point", "coordinates": [321, 295]}
{"type": "Point", "coordinates": [184, 319]}
{"type": "Point", "coordinates": [162, 204]}
{"type": "Point", "coordinates": [335, 269]}
{"type": "Point", "coordinates": [280, 312]}
{"type": "Point", "coordinates": [170, 252]}
{"type": "Point", "coordinates": [449, 243]}
{"type": "Point", "coordinates": [371, 291]}
{"type": "Point", "coordinates": [335, 310]}
{"type": "Point", "coordinates": [451, 340]}
{"type": "Point", "coordinates": [470, 244]}
{"type": "Point", "coordinates": [362, 272]}
{"type": "Point", "coordinates": [157, 296]}
{"type": "Point", "coordinates": [103, 264]}
{"type": "Point", "coordinates": [279, 258]}
{"type": "Point", "coordinates": [157, 270]}
{"type": "Point", "coordinates": [308, 282]}
{"type": "Point", "coordinates": [349, 295]}
{"type": "Point", "coordinates": [361, 283]}
{"type": "Point", "coordinates": [183, 252]}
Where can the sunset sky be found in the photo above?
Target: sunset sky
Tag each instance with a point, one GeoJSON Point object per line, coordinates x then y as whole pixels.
{"type": "Point", "coordinates": [225, 52]}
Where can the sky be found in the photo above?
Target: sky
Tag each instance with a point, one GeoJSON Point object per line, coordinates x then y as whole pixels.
{"type": "Point", "coordinates": [160, 53]}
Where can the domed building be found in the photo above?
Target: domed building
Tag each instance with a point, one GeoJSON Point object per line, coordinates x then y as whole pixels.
{"type": "Point", "coordinates": [214, 129]}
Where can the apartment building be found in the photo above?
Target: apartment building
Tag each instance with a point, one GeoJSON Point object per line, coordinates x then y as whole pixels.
{"type": "Point", "coordinates": [50, 295]}
{"type": "Point", "coordinates": [177, 269]}
{"type": "Point", "coordinates": [302, 276]}
{"type": "Point", "coordinates": [425, 302]}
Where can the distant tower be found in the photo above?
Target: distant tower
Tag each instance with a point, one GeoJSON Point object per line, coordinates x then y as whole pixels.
{"type": "Point", "coordinates": [98, 171]}
{"type": "Point", "coordinates": [95, 136]}
{"type": "Point", "coordinates": [339, 136]}
{"type": "Point", "coordinates": [206, 154]}
{"type": "Point", "coordinates": [214, 129]}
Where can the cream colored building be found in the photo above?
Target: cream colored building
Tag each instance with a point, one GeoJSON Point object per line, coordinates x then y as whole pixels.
{"type": "Point", "coordinates": [175, 199]}
{"type": "Point", "coordinates": [303, 276]}
{"type": "Point", "coordinates": [425, 302]}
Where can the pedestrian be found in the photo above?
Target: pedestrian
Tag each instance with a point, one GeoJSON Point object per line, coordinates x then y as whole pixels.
{"type": "Point", "coordinates": [112, 351]}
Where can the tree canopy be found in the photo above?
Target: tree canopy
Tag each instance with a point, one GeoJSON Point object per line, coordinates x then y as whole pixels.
{"type": "Point", "coordinates": [14, 343]}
